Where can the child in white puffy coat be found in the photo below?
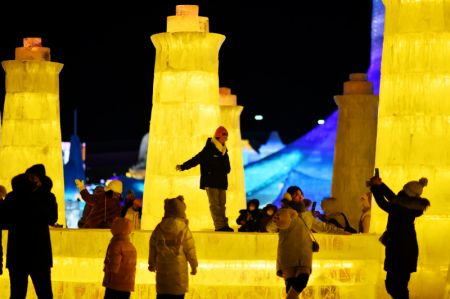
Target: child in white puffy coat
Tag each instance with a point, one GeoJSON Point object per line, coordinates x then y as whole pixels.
{"type": "Point", "coordinates": [172, 247]}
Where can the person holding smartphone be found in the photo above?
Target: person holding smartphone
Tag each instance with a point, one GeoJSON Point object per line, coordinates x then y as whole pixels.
{"type": "Point", "coordinates": [400, 239]}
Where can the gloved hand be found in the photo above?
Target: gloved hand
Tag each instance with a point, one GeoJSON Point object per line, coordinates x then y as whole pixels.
{"type": "Point", "coordinates": [80, 184]}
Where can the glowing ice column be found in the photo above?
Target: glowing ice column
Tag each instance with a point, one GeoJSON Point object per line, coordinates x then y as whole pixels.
{"type": "Point", "coordinates": [31, 130]}
{"type": "Point", "coordinates": [185, 113]}
{"type": "Point", "coordinates": [230, 114]}
{"type": "Point", "coordinates": [354, 152]}
{"type": "Point", "coordinates": [413, 126]}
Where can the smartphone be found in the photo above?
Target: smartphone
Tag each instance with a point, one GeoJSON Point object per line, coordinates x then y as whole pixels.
{"type": "Point", "coordinates": [313, 208]}
{"type": "Point", "coordinates": [377, 172]}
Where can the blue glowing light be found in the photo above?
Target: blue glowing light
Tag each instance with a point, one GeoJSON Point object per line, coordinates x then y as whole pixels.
{"type": "Point", "coordinates": [373, 73]}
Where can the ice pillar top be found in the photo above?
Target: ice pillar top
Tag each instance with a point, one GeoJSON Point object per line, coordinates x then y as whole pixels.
{"type": "Point", "coordinates": [187, 20]}
{"type": "Point", "coordinates": [226, 98]}
{"type": "Point", "coordinates": [32, 50]}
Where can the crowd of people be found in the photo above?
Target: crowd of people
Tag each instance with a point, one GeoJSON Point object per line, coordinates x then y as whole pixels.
{"type": "Point", "coordinates": [172, 246]}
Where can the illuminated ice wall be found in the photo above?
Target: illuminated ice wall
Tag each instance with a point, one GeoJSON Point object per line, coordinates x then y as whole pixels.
{"type": "Point", "coordinates": [185, 112]}
{"type": "Point", "coordinates": [31, 131]}
{"type": "Point", "coordinates": [414, 128]}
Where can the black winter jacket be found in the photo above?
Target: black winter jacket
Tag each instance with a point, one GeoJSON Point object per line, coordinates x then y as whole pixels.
{"type": "Point", "coordinates": [28, 216]}
{"type": "Point", "coordinates": [402, 250]}
{"type": "Point", "coordinates": [214, 167]}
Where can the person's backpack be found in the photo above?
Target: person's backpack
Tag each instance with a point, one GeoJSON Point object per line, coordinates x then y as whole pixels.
{"type": "Point", "coordinates": [347, 227]}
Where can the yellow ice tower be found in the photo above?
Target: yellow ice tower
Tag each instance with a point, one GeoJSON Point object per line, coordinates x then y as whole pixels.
{"type": "Point", "coordinates": [230, 114]}
{"type": "Point", "coordinates": [31, 130]}
{"type": "Point", "coordinates": [185, 112]}
{"type": "Point", "coordinates": [413, 138]}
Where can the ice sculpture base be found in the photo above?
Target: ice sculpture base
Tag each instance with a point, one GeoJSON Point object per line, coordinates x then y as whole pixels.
{"type": "Point", "coordinates": [233, 265]}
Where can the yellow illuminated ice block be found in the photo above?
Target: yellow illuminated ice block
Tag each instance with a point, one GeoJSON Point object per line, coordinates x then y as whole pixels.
{"type": "Point", "coordinates": [230, 118]}
{"type": "Point", "coordinates": [231, 265]}
{"type": "Point", "coordinates": [0, 128]}
{"type": "Point", "coordinates": [414, 124]}
{"type": "Point", "coordinates": [185, 112]}
{"type": "Point", "coordinates": [354, 153]}
{"type": "Point", "coordinates": [31, 130]}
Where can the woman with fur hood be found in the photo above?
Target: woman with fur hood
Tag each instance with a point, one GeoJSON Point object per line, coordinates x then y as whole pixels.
{"type": "Point", "coordinates": [295, 245]}
{"type": "Point", "coordinates": [400, 239]}
{"type": "Point", "coordinates": [172, 247]}
{"type": "Point", "coordinates": [120, 261]}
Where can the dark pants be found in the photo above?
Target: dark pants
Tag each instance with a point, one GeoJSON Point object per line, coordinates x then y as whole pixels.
{"type": "Point", "coordinates": [298, 283]}
{"type": "Point", "coordinates": [397, 284]}
{"type": "Point", "coordinates": [41, 280]}
{"type": "Point", "coordinates": [167, 296]}
{"type": "Point", "coordinates": [114, 294]}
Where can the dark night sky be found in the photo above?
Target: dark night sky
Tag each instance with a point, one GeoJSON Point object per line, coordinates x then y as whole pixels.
{"type": "Point", "coordinates": [283, 62]}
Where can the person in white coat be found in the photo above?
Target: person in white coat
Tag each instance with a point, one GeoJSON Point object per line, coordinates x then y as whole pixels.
{"type": "Point", "coordinates": [172, 247]}
{"type": "Point", "coordinates": [295, 244]}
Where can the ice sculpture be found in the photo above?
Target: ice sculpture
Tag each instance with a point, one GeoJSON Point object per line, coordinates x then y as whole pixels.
{"type": "Point", "coordinates": [414, 128]}
{"type": "Point", "coordinates": [273, 144]}
{"type": "Point", "coordinates": [354, 151]}
{"type": "Point", "coordinates": [307, 162]}
{"type": "Point", "coordinates": [31, 130]}
{"type": "Point", "coordinates": [185, 112]}
{"type": "Point", "coordinates": [137, 171]}
{"type": "Point", "coordinates": [230, 114]}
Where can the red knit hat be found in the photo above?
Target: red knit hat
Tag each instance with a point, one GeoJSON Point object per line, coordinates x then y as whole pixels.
{"type": "Point", "coordinates": [221, 131]}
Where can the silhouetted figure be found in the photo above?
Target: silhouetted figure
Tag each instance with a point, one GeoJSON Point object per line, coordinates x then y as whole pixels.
{"type": "Point", "coordinates": [214, 168]}
{"type": "Point", "coordinates": [172, 247]}
{"type": "Point", "coordinates": [400, 239]}
{"type": "Point", "coordinates": [249, 219]}
{"type": "Point", "coordinates": [30, 208]}
{"type": "Point", "coordinates": [88, 206]}
{"type": "Point", "coordinates": [267, 214]}
{"type": "Point", "coordinates": [120, 261]}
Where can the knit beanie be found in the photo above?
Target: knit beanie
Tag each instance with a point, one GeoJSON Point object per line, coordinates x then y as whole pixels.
{"type": "Point", "coordinates": [220, 131]}
{"type": "Point", "coordinates": [115, 186]}
{"type": "Point", "coordinates": [175, 207]}
{"type": "Point", "coordinates": [415, 188]}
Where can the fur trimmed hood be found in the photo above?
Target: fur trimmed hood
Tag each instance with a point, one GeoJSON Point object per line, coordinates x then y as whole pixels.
{"type": "Point", "coordinates": [412, 203]}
